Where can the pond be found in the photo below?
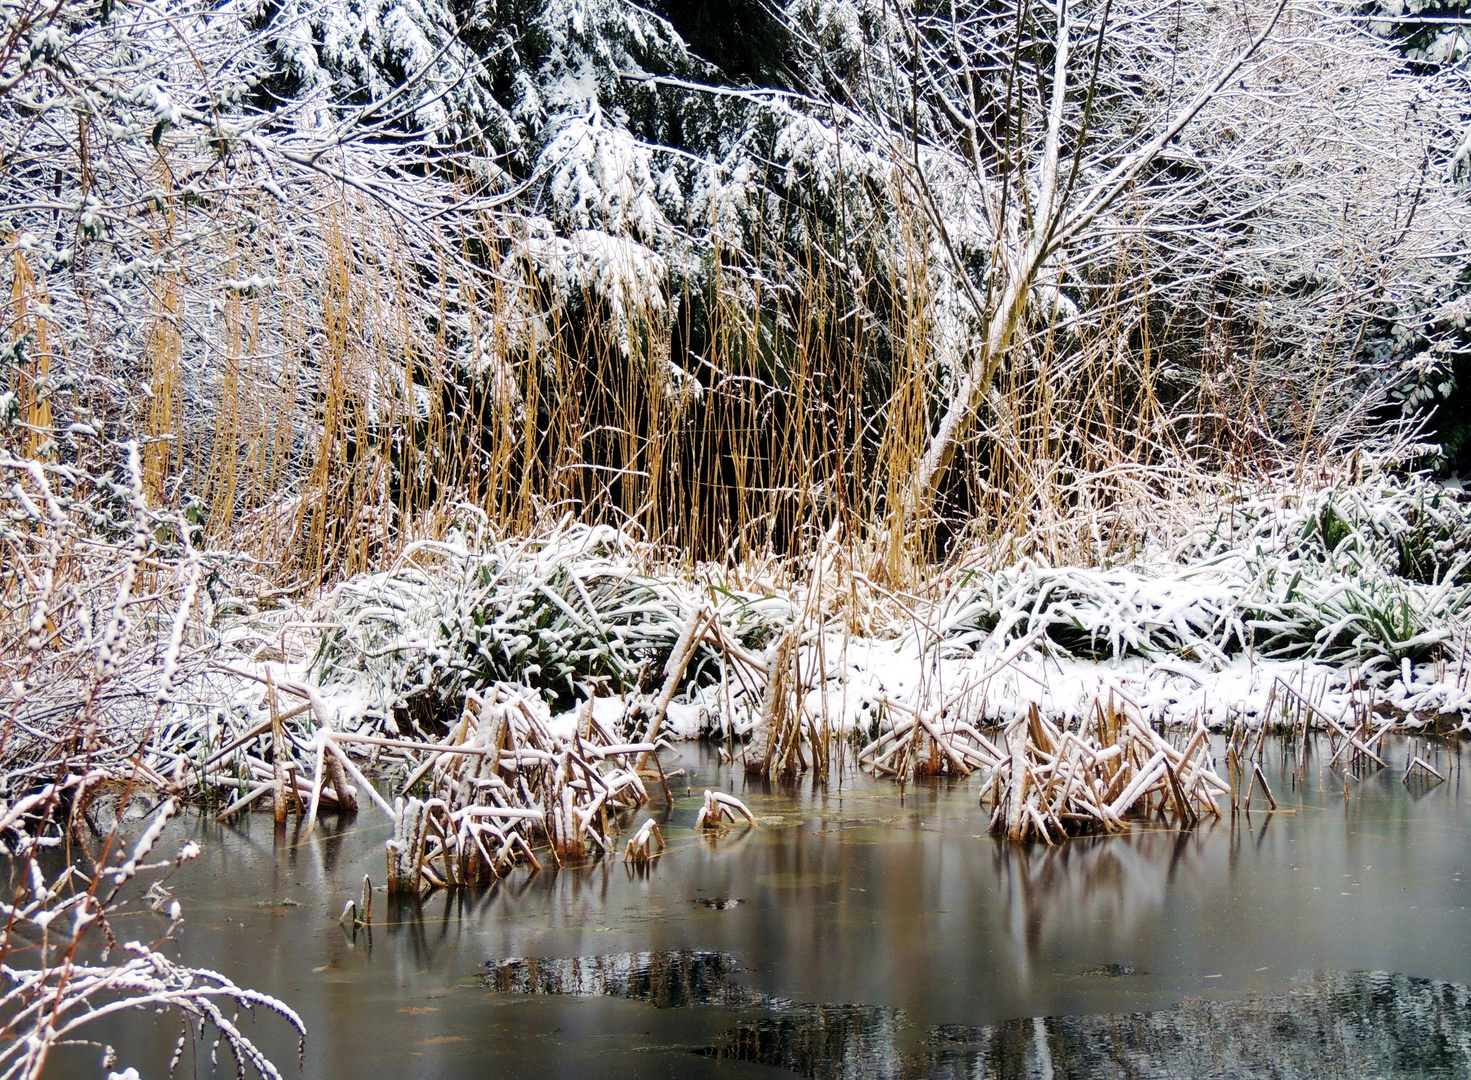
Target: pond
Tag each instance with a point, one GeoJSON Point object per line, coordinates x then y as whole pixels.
{"type": "Point", "coordinates": [865, 930]}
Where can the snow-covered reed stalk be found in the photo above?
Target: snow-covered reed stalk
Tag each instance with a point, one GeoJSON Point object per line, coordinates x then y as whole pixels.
{"type": "Point", "coordinates": [504, 784]}
{"type": "Point", "coordinates": [645, 845]}
{"type": "Point", "coordinates": [1053, 783]}
{"type": "Point", "coordinates": [783, 730]}
{"type": "Point", "coordinates": [720, 808]}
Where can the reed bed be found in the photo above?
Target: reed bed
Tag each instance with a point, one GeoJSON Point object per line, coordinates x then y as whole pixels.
{"type": "Point", "coordinates": [1318, 595]}
{"type": "Point", "coordinates": [927, 742]}
{"type": "Point", "coordinates": [484, 666]}
{"type": "Point", "coordinates": [1048, 783]}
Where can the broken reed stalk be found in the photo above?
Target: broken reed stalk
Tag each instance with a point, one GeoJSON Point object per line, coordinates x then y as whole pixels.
{"type": "Point", "coordinates": [641, 848]}
{"type": "Point", "coordinates": [1418, 762]}
{"type": "Point", "coordinates": [501, 785]}
{"type": "Point", "coordinates": [1055, 783]}
{"type": "Point", "coordinates": [674, 669]}
{"type": "Point", "coordinates": [1260, 778]}
{"type": "Point", "coordinates": [235, 764]}
{"type": "Point", "coordinates": [359, 912]}
{"type": "Point", "coordinates": [1350, 738]}
{"type": "Point", "coordinates": [719, 808]}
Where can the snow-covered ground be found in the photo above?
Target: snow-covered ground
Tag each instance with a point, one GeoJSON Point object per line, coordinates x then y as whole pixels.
{"type": "Point", "coordinates": [865, 676]}
{"type": "Point", "coordinates": [1344, 606]}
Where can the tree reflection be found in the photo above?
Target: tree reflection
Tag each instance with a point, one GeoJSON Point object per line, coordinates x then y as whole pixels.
{"type": "Point", "coordinates": [1328, 1024]}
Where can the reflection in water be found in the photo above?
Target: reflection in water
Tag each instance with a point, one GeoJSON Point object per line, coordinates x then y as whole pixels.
{"type": "Point", "coordinates": [666, 980]}
{"type": "Point", "coordinates": [1328, 1025]}
{"type": "Point", "coordinates": [826, 1042]}
{"type": "Point", "coordinates": [1121, 882]}
{"type": "Point", "coordinates": [1359, 1024]}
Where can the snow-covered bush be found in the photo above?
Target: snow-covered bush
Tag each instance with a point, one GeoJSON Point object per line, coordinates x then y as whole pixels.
{"type": "Point", "coordinates": [1372, 573]}
{"type": "Point", "coordinates": [66, 963]}
{"type": "Point", "coordinates": [236, 279]}
{"type": "Point", "coordinates": [1432, 346]}
{"type": "Point", "coordinates": [99, 599]}
{"type": "Point", "coordinates": [1405, 526]}
{"type": "Point", "coordinates": [568, 614]}
{"type": "Point", "coordinates": [1161, 205]}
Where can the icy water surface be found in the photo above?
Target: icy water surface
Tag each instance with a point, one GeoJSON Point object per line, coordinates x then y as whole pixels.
{"type": "Point", "coordinates": [865, 932]}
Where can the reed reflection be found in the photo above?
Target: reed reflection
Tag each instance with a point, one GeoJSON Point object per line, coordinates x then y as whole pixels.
{"type": "Point", "coordinates": [1122, 882]}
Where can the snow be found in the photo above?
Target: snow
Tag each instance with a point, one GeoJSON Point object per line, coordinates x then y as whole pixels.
{"type": "Point", "coordinates": [865, 677]}
{"type": "Point", "coordinates": [1263, 615]}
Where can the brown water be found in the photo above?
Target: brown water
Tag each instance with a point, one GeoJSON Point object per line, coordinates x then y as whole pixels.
{"type": "Point", "coordinates": [878, 933]}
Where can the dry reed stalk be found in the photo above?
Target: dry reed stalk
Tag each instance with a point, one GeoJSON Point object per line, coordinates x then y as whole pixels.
{"type": "Point", "coordinates": [1055, 783]}
{"type": "Point", "coordinates": [502, 784]}
{"type": "Point", "coordinates": [1260, 778]}
{"type": "Point", "coordinates": [164, 352]}
{"type": "Point", "coordinates": [718, 808]}
{"type": "Point", "coordinates": [674, 669]}
{"type": "Point", "coordinates": [780, 727]}
{"type": "Point", "coordinates": [278, 754]}
{"type": "Point", "coordinates": [35, 405]}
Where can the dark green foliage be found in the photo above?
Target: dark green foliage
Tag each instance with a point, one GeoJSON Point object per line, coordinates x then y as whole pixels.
{"type": "Point", "coordinates": [557, 616]}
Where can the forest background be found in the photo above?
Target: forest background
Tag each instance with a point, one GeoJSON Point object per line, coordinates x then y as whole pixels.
{"type": "Point", "coordinates": [727, 276]}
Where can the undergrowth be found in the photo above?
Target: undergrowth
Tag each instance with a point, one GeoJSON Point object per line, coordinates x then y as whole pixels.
{"type": "Point", "coordinates": [567, 614]}
{"type": "Point", "coordinates": [1371, 572]}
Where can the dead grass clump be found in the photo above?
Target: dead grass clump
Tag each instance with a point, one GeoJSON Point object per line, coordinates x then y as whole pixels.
{"type": "Point", "coordinates": [504, 783]}
{"type": "Point", "coordinates": [1053, 784]}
